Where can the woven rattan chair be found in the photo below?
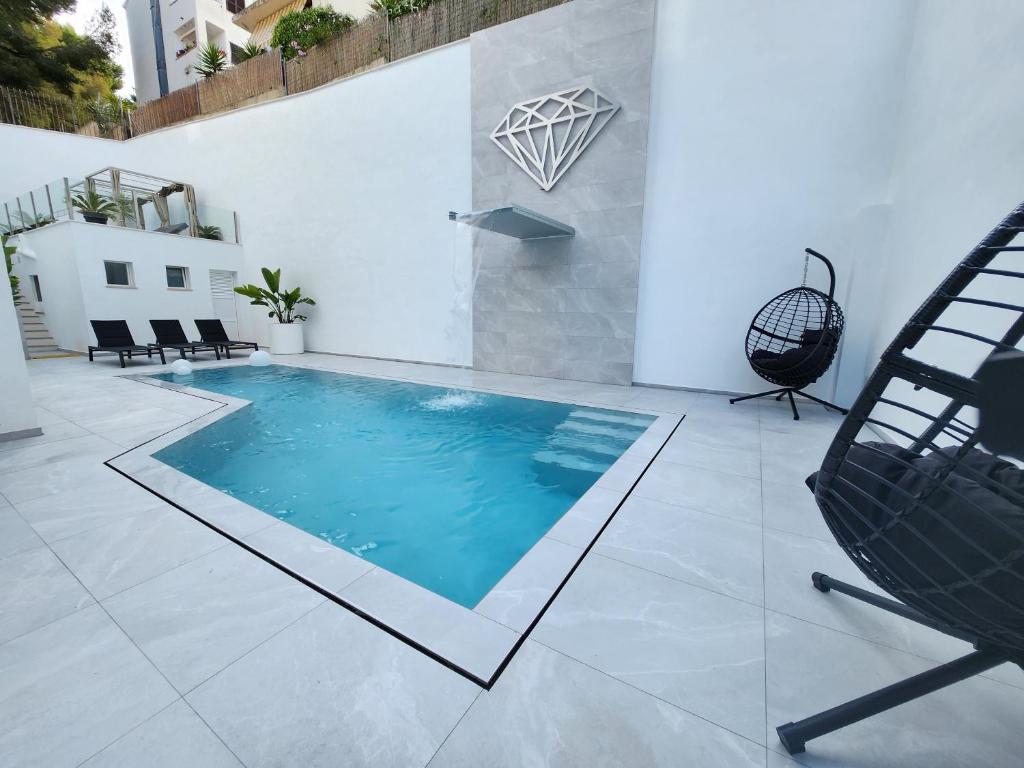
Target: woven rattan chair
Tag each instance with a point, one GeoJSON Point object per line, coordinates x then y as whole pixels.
{"type": "Point", "coordinates": [933, 511]}
{"type": "Point", "coordinates": [793, 339]}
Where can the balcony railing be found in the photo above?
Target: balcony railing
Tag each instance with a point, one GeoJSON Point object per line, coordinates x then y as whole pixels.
{"type": "Point", "coordinates": [120, 198]}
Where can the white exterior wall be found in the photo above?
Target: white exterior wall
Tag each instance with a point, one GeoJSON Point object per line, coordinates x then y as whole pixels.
{"type": "Point", "coordinates": [69, 256]}
{"type": "Point", "coordinates": [347, 188]}
{"type": "Point", "coordinates": [872, 132]}
{"type": "Point", "coordinates": [49, 253]}
{"type": "Point", "coordinates": [771, 131]}
{"type": "Point", "coordinates": [17, 413]}
{"type": "Point", "coordinates": [960, 163]}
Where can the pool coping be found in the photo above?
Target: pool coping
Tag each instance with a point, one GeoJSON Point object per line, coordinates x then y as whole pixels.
{"type": "Point", "coordinates": [477, 643]}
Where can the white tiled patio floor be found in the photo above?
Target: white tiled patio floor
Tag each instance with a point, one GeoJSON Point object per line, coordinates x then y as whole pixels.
{"type": "Point", "coordinates": [131, 635]}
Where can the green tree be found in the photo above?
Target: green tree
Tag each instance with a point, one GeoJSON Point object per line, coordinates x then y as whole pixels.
{"type": "Point", "coordinates": [297, 32]}
{"type": "Point", "coordinates": [37, 53]}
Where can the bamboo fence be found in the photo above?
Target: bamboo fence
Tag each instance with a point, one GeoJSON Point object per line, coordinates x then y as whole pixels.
{"type": "Point", "coordinates": [372, 42]}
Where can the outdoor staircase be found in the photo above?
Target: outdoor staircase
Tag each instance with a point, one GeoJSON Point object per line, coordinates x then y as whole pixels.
{"type": "Point", "coordinates": [37, 338]}
{"type": "Point", "coordinates": [588, 442]}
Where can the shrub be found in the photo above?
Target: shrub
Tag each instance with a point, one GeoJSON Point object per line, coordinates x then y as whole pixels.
{"type": "Point", "coordinates": [395, 8]}
{"type": "Point", "coordinates": [297, 32]}
{"type": "Point", "coordinates": [211, 60]}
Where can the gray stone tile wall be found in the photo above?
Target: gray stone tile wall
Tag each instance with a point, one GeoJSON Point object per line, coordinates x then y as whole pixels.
{"type": "Point", "coordinates": [567, 308]}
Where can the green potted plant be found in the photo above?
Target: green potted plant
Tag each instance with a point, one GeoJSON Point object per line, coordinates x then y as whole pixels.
{"type": "Point", "coordinates": [285, 331]}
{"type": "Point", "coordinates": [95, 208]}
{"type": "Point", "coordinates": [209, 232]}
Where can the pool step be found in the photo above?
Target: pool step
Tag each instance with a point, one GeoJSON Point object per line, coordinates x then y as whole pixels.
{"type": "Point", "coordinates": [570, 460]}
{"type": "Point", "coordinates": [601, 429]}
{"type": "Point", "coordinates": [641, 422]}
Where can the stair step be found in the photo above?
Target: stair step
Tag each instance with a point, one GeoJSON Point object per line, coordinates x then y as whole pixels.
{"type": "Point", "coordinates": [577, 442]}
{"type": "Point", "coordinates": [620, 431]}
{"type": "Point", "coordinates": [570, 461]}
{"type": "Point", "coordinates": [611, 418]}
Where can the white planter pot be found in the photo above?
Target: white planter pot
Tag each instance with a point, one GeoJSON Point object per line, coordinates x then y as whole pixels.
{"type": "Point", "coordinates": [286, 339]}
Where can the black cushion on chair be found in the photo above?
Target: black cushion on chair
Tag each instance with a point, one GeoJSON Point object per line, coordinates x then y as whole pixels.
{"type": "Point", "coordinates": [951, 536]}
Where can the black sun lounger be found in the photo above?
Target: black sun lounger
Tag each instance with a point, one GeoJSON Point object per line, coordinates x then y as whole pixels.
{"type": "Point", "coordinates": [114, 337]}
{"type": "Point", "coordinates": [212, 332]}
{"type": "Point", "coordinates": [170, 335]}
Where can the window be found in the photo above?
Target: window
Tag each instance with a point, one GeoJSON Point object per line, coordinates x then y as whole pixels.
{"type": "Point", "coordinates": [119, 273]}
{"type": "Point", "coordinates": [236, 6]}
{"type": "Point", "coordinates": [177, 277]}
{"type": "Point", "coordinates": [36, 288]}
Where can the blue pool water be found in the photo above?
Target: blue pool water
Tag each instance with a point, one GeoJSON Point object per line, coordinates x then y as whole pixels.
{"type": "Point", "coordinates": [447, 488]}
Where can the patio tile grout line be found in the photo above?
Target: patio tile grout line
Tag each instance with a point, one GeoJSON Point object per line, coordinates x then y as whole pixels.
{"type": "Point", "coordinates": [128, 732]}
{"type": "Point", "coordinates": [764, 579]}
{"type": "Point", "coordinates": [260, 644]}
{"type": "Point", "coordinates": [458, 722]}
{"type": "Point", "coordinates": [648, 693]}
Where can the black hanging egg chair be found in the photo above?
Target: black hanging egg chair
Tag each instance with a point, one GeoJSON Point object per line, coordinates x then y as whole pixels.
{"type": "Point", "coordinates": [932, 511]}
{"type": "Point", "coordinates": [793, 339]}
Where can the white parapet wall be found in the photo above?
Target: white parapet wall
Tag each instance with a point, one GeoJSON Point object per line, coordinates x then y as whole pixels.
{"type": "Point", "coordinates": [17, 414]}
{"type": "Point", "coordinates": [69, 257]}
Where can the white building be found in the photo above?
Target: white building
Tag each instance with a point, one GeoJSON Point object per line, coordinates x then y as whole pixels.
{"type": "Point", "coordinates": [260, 16]}
{"type": "Point", "coordinates": [166, 37]}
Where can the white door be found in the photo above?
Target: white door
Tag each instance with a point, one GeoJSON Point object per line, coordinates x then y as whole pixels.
{"type": "Point", "coordinates": [222, 291]}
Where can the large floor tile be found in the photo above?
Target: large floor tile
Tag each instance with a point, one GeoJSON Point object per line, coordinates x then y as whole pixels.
{"type": "Point", "coordinates": [52, 433]}
{"type": "Point", "coordinates": [36, 589]}
{"type": "Point", "coordinates": [789, 459]}
{"type": "Point", "coordinates": [120, 555]}
{"type": "Point", "coordinates": [791, 507]}
{"type": "Point", "coordinates": [15, 534]}
{"type": "Point", "coordinates": [18, 459]}
{"type": "Point", "coordinates": [699, 650]}
{"type": "Point", "coordinates": [48, 479]}
{"type": "Point", "coordinates": [704, 490]}
{"type": "Point", "coordinates": [730, 461]}
{"type": "Point", "coordinates": [705, 550]}
{"type": "Point", "coordinates": [196, 619]}
{"type": "Point", "coordinates": [973, 724]}
{"type": "Point", "coordinates": [333, 690]}
{"type": "Point", "coordinates": [549, 711]}
{"type": "Point", "coordinates": [174, 738]}
{"type": "Point", "coordinates": [107, 498]}
{"type": "Point", "coordinates": [789, 562]}
{"type": "Point", "coordinates": [72, 687]}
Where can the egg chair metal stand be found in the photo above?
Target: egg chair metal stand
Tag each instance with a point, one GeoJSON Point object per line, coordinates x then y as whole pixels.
{"type": "Point", "coordinates": [793, 339]}
{"type": "Point", "coordinates": [933, 513]}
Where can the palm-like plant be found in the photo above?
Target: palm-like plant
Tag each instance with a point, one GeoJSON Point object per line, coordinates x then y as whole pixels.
{"type": "Point", "coordinates": [95, 205]}
{"type": "Point", "coordinates": [209, 232]}
{"type": "Point", "coordinates": [249, 51]}
{"type": "Point", "coordinates": [211, 60]}
{"type": "Point", "coordinates": [282, 304]}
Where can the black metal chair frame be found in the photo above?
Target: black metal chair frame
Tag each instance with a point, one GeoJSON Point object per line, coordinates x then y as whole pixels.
{"type": "Point", "coordinates": [939, 606]}
{"type": "Point", "coordinates": [170, 335]}
{"type": "Point", "coordinates": [116, 331]}
{"type": "Point", "coordinates": [219, 337]}
{"type": "Point", "coordinates": [794, 380]}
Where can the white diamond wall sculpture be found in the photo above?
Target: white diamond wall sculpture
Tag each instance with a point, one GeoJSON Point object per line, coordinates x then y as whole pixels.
{"type": "Point", "coordinates": [546, 135]}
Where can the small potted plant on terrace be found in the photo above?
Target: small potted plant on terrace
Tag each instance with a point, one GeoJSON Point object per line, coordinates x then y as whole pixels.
{"type": "Point", "coordinates": [95, 208]}
{"type": "Point", "coordinates": [209, 232]}
{"type": "Point", "coordinates": [285, 332]}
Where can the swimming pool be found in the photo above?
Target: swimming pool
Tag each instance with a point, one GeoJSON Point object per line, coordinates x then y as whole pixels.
{"type": "Point", "coordinates": [447, 488]}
